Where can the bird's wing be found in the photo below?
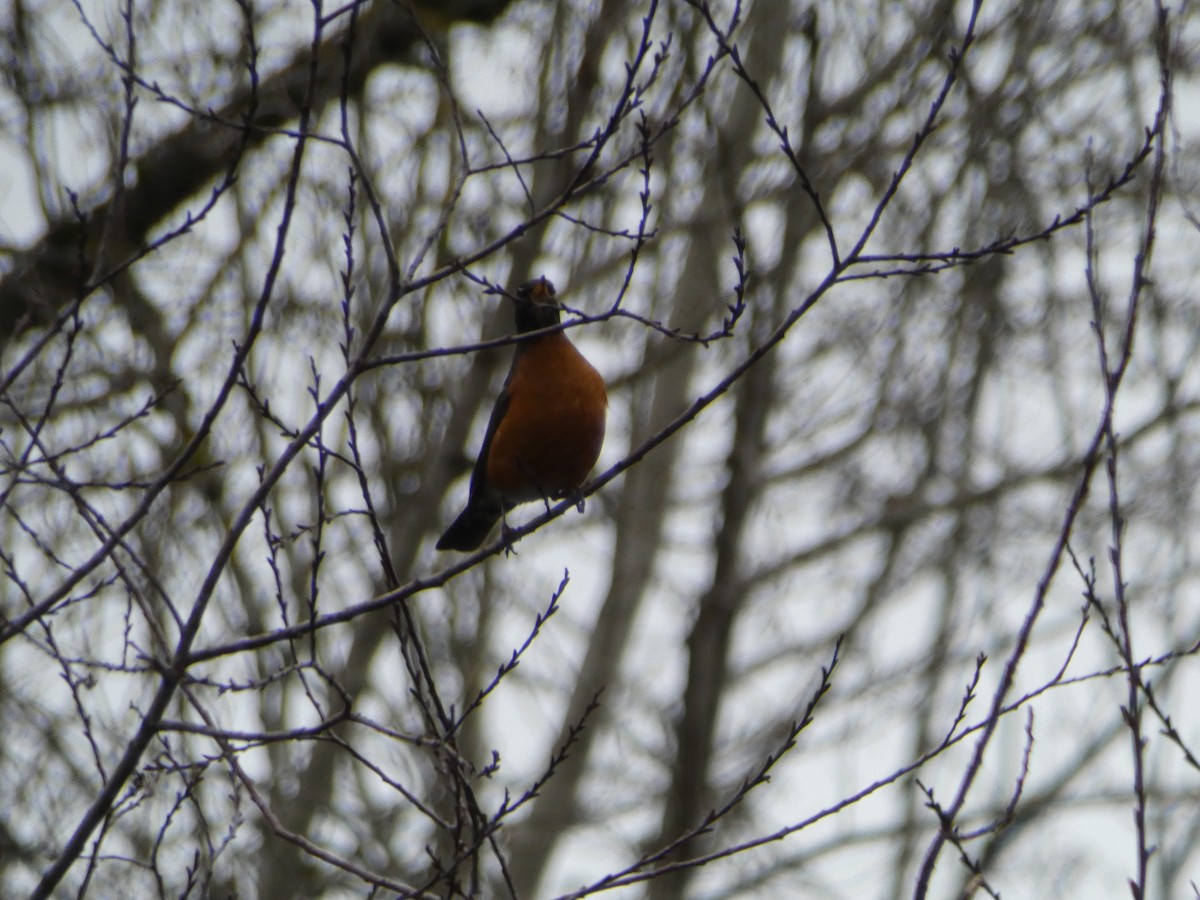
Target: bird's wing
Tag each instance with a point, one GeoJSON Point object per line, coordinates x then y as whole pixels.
{"type": "Point", "coordinates": [479, 473]}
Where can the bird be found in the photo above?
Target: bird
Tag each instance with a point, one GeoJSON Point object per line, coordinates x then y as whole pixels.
{"type": "Point", "coordinates": [546, 428]}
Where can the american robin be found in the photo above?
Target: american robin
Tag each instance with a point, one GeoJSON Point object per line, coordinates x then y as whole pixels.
{"type": "Point", "coordinates": [546, 428]}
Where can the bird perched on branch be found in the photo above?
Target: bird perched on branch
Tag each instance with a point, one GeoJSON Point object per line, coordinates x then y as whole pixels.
{"type": "Point", "coordinates": [546, 428]}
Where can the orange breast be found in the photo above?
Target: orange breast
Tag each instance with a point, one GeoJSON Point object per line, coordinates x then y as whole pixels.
{"type": "Point", "coordinates": [551, 434]}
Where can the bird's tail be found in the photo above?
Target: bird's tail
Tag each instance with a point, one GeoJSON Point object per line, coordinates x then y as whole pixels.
{"type": "Point", "coordinates": [471, 528]}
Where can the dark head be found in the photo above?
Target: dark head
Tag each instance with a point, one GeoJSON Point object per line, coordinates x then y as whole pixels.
{"type": "Point", "coordinates": [536, 306]}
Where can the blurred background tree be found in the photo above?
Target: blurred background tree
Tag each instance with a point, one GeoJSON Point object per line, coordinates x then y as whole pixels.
{"type": "Point", "coordinates": [886, 586]}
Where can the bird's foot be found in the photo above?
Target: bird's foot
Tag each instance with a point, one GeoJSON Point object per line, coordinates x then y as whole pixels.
{"type": "Point", "coordinates": [506, 535]}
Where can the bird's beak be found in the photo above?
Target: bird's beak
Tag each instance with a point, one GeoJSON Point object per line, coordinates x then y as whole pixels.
{"type": "Point", "coordinates": [539, 291]}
